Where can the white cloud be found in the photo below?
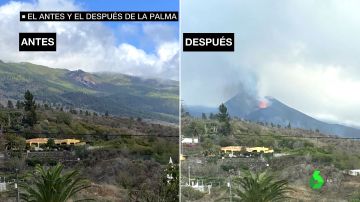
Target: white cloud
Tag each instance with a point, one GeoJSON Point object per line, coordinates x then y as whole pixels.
{"type": "Point", "coordinates": [304, 53]}
{"type": "Point", "coordinates": [90, 46]}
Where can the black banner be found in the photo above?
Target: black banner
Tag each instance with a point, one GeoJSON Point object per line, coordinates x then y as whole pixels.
{"type": "Point", "coordinates": [97, 16]}
{"type": "Point", "coordinates": [37, 41]}
{"type": "Point", "coordinates": [208, 42]}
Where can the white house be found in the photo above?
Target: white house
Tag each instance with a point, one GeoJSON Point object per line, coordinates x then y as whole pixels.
{"type": "Point", "coordinates": [3, 186]}
{"type": "Point", "coordinates": [190, 140]}
{"type": "Point", "coordinates": [354, 172]}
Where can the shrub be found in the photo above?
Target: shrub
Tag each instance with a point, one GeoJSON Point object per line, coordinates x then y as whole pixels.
{"type": "Point", "coordinates": [191, 194]}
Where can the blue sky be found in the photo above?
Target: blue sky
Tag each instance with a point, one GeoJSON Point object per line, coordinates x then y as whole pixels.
{"type": "Point", "coordinates": [145, 49]}
{"type": "Point", "coordinates": [133, 5]}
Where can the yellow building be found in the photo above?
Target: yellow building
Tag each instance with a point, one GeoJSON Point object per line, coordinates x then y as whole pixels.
{"type": "Point", "coordinates": [66, 141]}
{"type": "Point", "coordinates": [233, 149]}
{"type": "Point", "coordinates": [39, 141]}
{"type": "Point", "coordinates": [183, 157]}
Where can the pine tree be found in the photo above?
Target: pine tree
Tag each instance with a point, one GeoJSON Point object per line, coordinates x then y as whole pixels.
{"type": "Point", "coordinates": [10, 105]}
{"type": "Point", "coordinates": [18, 104]}
{"type": "Point", "coordinates": [224, 118]}
{"type": "Point", "coordinates": [30, 117]}
{"type": "Point", "coordinates": [223, 114]}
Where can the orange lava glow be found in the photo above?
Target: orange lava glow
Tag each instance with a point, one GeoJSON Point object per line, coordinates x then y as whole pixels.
{"type": "Point", "coordinates": [263, 104]}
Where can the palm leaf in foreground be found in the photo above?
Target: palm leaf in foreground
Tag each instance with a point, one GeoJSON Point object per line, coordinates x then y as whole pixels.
{"type": "Point", "coordinates": [49, 185]}
{"type": "Point", "coordinates": [261, 188]}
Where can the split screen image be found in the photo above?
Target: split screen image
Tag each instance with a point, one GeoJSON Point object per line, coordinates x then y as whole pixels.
{"type": "Point", "coordinates": [122, 111]}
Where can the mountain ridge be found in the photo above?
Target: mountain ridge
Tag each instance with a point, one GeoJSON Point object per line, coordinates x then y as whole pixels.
{"type": "Point", "coordinates": [245, 106]}
{"type": "Point", "coordinates": [119, 94]}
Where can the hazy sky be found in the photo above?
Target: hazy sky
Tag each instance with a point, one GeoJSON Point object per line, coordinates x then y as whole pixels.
{"type": "Point", "coordinates": [147, 49]}
{"type": "Point", "coordinates": [304, 53]}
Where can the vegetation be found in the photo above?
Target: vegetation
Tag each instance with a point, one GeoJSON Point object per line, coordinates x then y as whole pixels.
{"type": "Point", "coordinates": [10, 105]}
{"type": "Point", "coordinates": [119, 94]}
{"type": "Point", "coordinates": [170, 190]}
{"type": "Point", "coordinates": [50, 185]}
{"type": "Point", "coordinates": [224, 119]}
{"type": "Point", "coordinates": [30, 117]}
{"type": "Point", "coordinates": [123, 158]}
{"type": "Point", "coordinates": [190, 193]}
{"type": "Point", "coordinates": [51, 143]}
{"type": "Point", "coordinates": [297, 153]}
{"type": "Point", "coordinates": [261, 188]}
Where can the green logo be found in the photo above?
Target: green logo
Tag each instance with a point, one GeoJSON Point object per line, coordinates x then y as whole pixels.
{"type": "Point", "coordinates": [316, 181]}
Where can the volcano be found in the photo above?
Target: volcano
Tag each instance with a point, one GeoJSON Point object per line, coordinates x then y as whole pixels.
{"type": "Point", "coordinates": [274, 111]}
{"type": "Point", "coordinates": [270, 110]}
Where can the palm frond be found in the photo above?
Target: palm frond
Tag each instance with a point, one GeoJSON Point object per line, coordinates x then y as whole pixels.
{"type": "Point", "coordinates": [255, 187]}
{"type": "Point", "coordinates": [50, 185]}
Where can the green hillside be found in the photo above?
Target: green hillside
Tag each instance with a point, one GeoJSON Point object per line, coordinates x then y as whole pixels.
{"type": "Point", "coordinates": [119, 94]}
{"type": "Point", "coordinates": [121, 157]}
{"type": "Point", "coordinates": [297, 153]}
